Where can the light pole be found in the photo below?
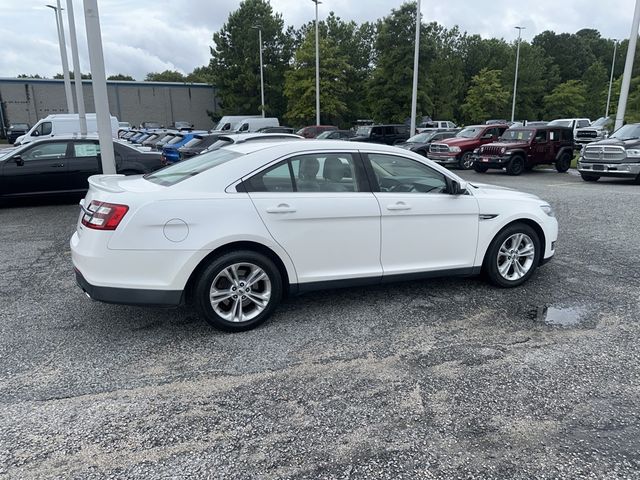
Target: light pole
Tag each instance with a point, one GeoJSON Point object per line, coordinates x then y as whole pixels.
{"type": "Point", "coordinates": [628, 67]}
{"type": "Point", "coordinates": [73, 39]}
{"type": "Point", "coordinates": [63, 57]}
{"type": "Point", "coordinates": [259, 28]}
{"type": "Point", "coordinates": [515, 80]}
{"type": "Point", "coordinates": [317, 67]}
{"type": "Point", "coordinates": [99, 83]}
{"type": "Point", "coordinates": [613, 65]}
{"type": "Point", "coordinates": [414, 92]}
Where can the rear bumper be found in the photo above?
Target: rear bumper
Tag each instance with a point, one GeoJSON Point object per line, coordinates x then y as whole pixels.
{"type": "Point", "coordinates": [129, 296]}
{"type": "Point", "coordinates": [621, 170]}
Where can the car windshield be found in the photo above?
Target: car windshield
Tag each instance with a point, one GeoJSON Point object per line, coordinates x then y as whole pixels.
{"type": "Point", "coordinates": [517, 135]}
{"type": "Point", "coordinates": [151, 125]}
{"type": "Point", "coordinates": [324, 134]}
{"type": "Point", "coordinates": [188, 168]}
{"type": "Point", "coordinates": [364, 131]}
{"type": "Point", "coordinates": [469, 132]}
{"type": "Point", "coordinates": [421, 138]}
{"type": "Point", "coordinates": [561, 123]}
{"type": "Point", "coordinates": [627, 132]}
{"type": "Point", "coordinates": [193, 142]}
{"type": "Point", "coordinates": [601, 122]}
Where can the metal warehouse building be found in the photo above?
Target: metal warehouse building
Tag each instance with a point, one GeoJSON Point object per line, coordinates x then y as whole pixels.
{"type": "Point", "coordinates": [28, 100]}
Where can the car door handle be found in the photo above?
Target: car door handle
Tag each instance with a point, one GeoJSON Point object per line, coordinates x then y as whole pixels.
{"type": "Point", "coordinates": [399, 206]}
{"type": "Point", "coordinates": [57, 165]}
{"type": "Point", "coordinates": [282, 208]}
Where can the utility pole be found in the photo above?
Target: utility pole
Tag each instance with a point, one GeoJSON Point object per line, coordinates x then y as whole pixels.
{"type": "Point", "coordinates": [317, 67]}
{"type": "Point", "coordinates": [515, 80]}
{"type": "Point", "coordinates": [63, 57]}
{"type": "Point", "coordinates": [414, 91]}
{"type": "Point", "coordinates": [73, 39]}
{"type": "Point", "coordinates": [613, 66]}
{"type": "Point", "coordinates": [99, 83]}
{"type": "Point", "coordinates": [628, 67]}
{"type": "Point", "coordinates": [259, 28]}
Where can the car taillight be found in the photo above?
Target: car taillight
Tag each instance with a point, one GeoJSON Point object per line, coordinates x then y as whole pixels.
{"type": "Point", "coordinates": [103, 216]}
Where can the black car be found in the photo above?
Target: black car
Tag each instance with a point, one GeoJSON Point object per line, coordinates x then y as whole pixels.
{"type": "Point", "coordinates": [62, 165]}
{"type": "Point", "coordinates": [420, 143]}
{"type": "Point", "coordinates": [16, 130]}
{"type": "Point", "coordinates": [197, 145]}
{"type": "Point", "coordinates": [388, 134]}
{"type": "Point", "coordinates": [336, 135]}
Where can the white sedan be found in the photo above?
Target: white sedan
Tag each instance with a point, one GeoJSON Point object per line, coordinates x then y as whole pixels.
{"type": "Point", "coordinates": [235, 229]}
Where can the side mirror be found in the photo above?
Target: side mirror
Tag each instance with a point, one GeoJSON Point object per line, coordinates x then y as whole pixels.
{"type": "Point", "coordinates": [456, 188]}
{"type": "Point", "coordinates": [18, 159]}
{"type": "Point", "coordinates": [487, 136]}
{"type": "Point", "coordinates": [36, 133]}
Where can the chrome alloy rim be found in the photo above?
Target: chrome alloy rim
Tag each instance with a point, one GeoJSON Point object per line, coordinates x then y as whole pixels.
{"type": "Point", "coordinates": [467, 162]}
{"type": "Point", "coordinates": [516, 256]}
{"type": "Point", "coordinates": [240, 292]}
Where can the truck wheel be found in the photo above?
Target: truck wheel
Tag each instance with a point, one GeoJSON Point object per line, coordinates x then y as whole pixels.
{"type": "Point", "coordinates": [478, 167]}
{"type": "Point", "coordinates": [589, 178]}
{"type": "Point", "coordinates": [516, 165]}
{"type": "Point", "coordinates": [564, 163]}
{"type": "Point", "coordinates": [466, 161]}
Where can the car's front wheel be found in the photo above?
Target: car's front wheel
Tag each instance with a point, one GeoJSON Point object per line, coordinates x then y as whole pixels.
{"type": "Point", "coordinates": [478, 167]}
{"type": "Point", "coordinates": [238, 290]}
{"type": "Point", "coordinates": [466, 161]}
{"type": "Point", "coordinates": [564, 163]}
{"type": "Point", "coordinates": [516, 165]}
{"type": "Point", "coordinates": [513, 255]}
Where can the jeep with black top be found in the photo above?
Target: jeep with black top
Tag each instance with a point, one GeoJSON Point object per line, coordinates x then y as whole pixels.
{"type": "Point", "coordinates": [522, 148]}
{"type": "Point", "coordinates": [617, 156]}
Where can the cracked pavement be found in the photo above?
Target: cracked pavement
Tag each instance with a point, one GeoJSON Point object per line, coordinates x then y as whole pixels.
{"type": "Point", "coordinates": [446, 378]}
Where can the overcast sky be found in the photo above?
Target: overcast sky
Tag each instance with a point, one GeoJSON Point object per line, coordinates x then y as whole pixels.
{"type": "Point", "coordinates": [153, 35]}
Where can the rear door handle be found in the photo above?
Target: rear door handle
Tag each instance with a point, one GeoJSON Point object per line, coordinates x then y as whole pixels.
{"type": "Point", "coordinates": [282, 208]}
{"type": "Point", "coordinates": [399, 206]}
{"type": "Point", "coordinates": [57, 165]}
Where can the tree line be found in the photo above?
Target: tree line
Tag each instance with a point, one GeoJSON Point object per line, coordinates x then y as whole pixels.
{"type": "Point", "coordinates": [366, 70]}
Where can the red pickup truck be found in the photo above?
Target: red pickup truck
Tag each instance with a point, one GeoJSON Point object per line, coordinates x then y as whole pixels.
{"type": "Point", "coordinates": [458, 150]}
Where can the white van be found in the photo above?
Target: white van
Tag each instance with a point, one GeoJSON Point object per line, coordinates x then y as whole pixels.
{"type": "Point", "coordinates": [63, 124]}
{"type": "Point", "coordinates": [229, 123]}
{"type": "Point", "coordinates": [255, 124]}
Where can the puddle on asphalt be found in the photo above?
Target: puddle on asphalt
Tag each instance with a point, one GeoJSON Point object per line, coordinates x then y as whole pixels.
{"type": "Point", "coordinates": [559, 317]}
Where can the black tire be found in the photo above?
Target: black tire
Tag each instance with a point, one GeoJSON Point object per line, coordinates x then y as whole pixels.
{"type": "Point", "coordinates": [466, 161]}
{"type": "Point", "coordinates": [564, 163]}
{"type": "Point", "coordinates": [490, 265]}
{"type": "Point", "coordinates": [202, 290]}
{"type": "Point", "coordinates": [589, 178]}
{"type": "Point", "coordinates": [516, 165]}
{"type": "Point", "coordinates": [478, 167]}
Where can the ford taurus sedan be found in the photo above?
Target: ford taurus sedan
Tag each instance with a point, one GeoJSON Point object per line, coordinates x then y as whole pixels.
{"type": "Point", "coordinates": [236, 229]}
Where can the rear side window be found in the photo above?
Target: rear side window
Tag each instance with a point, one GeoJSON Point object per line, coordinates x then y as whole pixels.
{"type": "Point", "coordinates": [86, 150]}
{"type": "Point", "coordinates": [567, 135]}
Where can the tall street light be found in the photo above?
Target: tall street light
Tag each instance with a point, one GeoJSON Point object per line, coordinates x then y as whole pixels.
{"type": "Point", "coordinates": [628, 67]}
{"type": "Point", "coordinates": [63, 57]}
{"type": "Point", "coordinates": [317, 67]}
{"type": "Point", "coordinates": [515, 80]}
{"type": "Point", "coordinates": [613, 66]}
{"type": "Point", "coordinates": [73, 40]}
{"type": "Point", "coordinates": [414, 94]}
{"type": "Point", "coordinates": [259, 28]}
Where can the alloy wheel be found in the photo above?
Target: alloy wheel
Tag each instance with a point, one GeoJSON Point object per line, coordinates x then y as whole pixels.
{"type": "Point", "coordinates": [515, 256]}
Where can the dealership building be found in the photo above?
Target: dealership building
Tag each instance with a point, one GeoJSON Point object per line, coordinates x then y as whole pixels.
{"type": "Point", "coordinates": [30, 99]}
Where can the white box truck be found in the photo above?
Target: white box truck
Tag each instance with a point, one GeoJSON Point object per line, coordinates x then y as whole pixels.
{"type": "Point", "coordinates": [63, 124]}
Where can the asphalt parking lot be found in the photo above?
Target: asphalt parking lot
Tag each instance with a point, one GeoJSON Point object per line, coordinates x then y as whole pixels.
{"type": "Point", "coordinates": [447, 378]}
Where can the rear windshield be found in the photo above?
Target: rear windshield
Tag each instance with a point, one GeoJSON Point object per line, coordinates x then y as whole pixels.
{"type": "Point", "coordinates": [193, 142]}
{"type": "Point", "coordinates": [182, 170]}
{"type": "Point", "coordinates": [176, 139]}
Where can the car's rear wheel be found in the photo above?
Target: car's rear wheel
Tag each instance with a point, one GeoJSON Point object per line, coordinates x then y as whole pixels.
{"type": "Point", "coordinates": [564, 163]}
{"type": "Point", "coordinates": [589, 178]}
{"type": "Point", "coordinates": [238, 291]}
{"type": "Point", "coordinates": [478, 167]}
{"type": "Point", "coordinates": [516, 165]}
{"type": "Point", "coordinates": [513, 255]}
{"type": "Point", "coordinates": [466, 161]}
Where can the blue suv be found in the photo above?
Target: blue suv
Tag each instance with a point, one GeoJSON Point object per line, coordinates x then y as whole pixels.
{"type": "Point", "coordinates": [170, 152]}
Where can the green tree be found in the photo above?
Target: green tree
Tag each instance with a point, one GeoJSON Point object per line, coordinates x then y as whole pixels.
{"type": "Point", "coordinates": [566, 100]}
{"type": "Point", "coordinates": [235, 64]}
{"type": "Point", "coordinates": [390, 85]}
{"type": "Point", "coordinates": [486, 98]}
{"type": "Point", "coordinates": [300, 88]}
{"type": "Point", "coordinates": [120, 76]}
{"type": "Point", "coordinates": [26, 75]}
{"type": "Point", "coordinates": [596, 83]}
{"type": "Point", "coordinates": [200, 75]}
{"type": "Point", "coordinates": [84, 76]}
{"type": "Point", "coordinates": [166, 76]}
